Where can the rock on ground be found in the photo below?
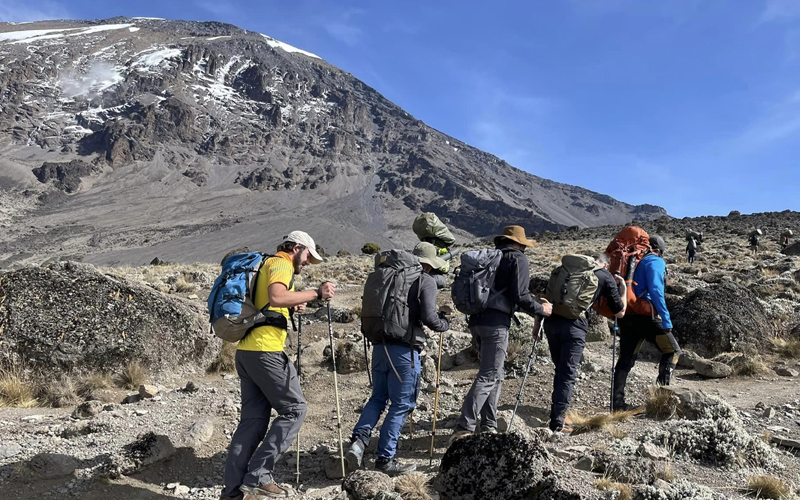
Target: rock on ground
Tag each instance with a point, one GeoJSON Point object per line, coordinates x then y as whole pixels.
{"type": "Point", "coordinates": [71, 316]}
{"type": "Point", "coordinates": [366, 484]}
{"type": "Point", "coordinates": [712, 369]}
{"type": "Point", "coordinates": [481, 466]}
{"type": "Point", "coordinates": [720, 318]}
{"type": "Point", "coordinates": [50, 465]}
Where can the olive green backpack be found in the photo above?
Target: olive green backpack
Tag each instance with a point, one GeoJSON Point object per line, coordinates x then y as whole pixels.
{"type": "Point", "coordinates": [572, 286]}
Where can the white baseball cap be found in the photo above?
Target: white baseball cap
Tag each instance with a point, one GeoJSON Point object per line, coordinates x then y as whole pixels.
{"type": "Point", "coordinates": [302, 238]}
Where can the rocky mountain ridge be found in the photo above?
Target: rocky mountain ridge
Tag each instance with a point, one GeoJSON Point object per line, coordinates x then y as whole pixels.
{"type": "Point", "coordinates": [138, 137]}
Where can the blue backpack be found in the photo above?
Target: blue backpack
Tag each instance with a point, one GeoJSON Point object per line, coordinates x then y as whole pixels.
{"type": "Point", "coordinates": [231, 306]}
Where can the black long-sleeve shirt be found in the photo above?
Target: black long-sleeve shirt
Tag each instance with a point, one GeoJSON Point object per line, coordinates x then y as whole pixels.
{"type": "Point", "coordinates": [607, 288]}
{"type": "Point", "coordinates": [513, 276]}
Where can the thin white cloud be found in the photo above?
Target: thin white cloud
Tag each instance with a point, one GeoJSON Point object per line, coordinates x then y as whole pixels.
{"type": "Point", "coordinates": [781, 11]}
{"type": "Point", "coordinates": [344, 27]}
{"type": "Point", "coordinates": [21, 12]}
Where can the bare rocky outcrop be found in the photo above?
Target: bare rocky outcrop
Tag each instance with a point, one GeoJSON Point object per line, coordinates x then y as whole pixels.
{"type": "Point", "coordinates": [720, 318]}
{"type": "Point", "coordinates": [70, 316]}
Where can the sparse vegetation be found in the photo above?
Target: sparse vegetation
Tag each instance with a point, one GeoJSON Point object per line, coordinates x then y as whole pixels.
{"type": "Point", "coordinates": [768, 487]}
{"type": "Point", "coordinates": [661, 403]}
{"type": "Point", "coordinates": [93, 381]}
{"type": "Point", "coordinates": [133, 375]}
{"type": "Point", "coordinates": [16, 388]}
{"type": "Point", "coordinates": [607, 484]}
{"type": "Point", "coordinates": [184, 284]}
{"type": "Point", "coordinates": [370, 248]}
{"type": "Point", "coordinates": [57, 392]}
{"type": "Point", "coordinates": [598, 421]}
{"type": "Point", "coordinates": [666, 472]}
{"type": "Point", "coordinates": [226, 360]}
{"type": "Point", "coordinates": [787, 348]}
{"type": "Point", "coordinates": [413, 486]}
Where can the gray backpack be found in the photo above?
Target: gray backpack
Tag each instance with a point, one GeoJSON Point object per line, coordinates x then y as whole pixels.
{"type": "Point", "coordinates": [473, 287]}
{"type": "Point", "coordinates": [384, 304]}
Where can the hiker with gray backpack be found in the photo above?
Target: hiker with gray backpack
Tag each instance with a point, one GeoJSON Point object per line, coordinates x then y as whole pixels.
{"type": "Point", "coordinates": [574, 286]}
{"type": "Point", "coordinates": [490, 286]}
{"type": "Point", "coordinates": [251, 302]}
{"type": "Point", "coordinates": [399, 298]}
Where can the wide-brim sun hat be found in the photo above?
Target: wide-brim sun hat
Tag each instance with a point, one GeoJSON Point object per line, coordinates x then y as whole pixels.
{"type": "Point", "coordinates": [427, 254]}
{"type": "Point", "coordinates": [515, 234]}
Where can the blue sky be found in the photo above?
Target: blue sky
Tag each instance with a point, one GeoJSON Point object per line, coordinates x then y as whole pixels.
{"type": "Point", "coordinates": [693, 105]}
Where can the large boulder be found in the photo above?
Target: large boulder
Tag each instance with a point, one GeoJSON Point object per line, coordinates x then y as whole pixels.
{"type": "Point", "coordinates": [507, 466]}
{"type": "Point", "coordinates": [793, 249]}
{"type": "Point", "coordinates": [720, 318]}
{"type": "Point", "coordinates": [71, 316]}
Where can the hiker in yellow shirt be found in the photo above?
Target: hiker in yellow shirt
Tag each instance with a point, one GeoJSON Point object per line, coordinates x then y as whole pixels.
{"type": "Point", "coordinates": [268, 378]}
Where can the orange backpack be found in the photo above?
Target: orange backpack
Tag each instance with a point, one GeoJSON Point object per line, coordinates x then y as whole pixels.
{"type": "Point", "coordinates": [627, 248]}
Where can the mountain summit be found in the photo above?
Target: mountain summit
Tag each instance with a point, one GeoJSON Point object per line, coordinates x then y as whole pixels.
{"type": "Point", "coordinates": [129, 138]}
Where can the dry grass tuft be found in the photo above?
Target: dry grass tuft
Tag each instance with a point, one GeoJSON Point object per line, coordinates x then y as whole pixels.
{"type": "Point", "coordinates": [599, 421]}
{"type": "Point", "coordinates": [660, 403]}
{"type": "Point", "coordinates": [666, 472]}
{"type": "Point", "coordinates": [133, 375]}
{"type": "Point", "coordinates": [616, 432]}
{"type": "Point", "coordinates": [57, 392]}
{"type": "Point", "coordinates": [751, 366]}
{"type": "Point", "coordinates": [768, 487]}
{"type": "Point", "coordinates": [94, 381]}
{"type": "Point", "coordinates": [16, 389]}
{"type": "Point", "coordinates": [413, 486]}
{"type": "Point", "coordinates": [608, 484]}
{"type": "Point", "coordinates": [787, 348]}
{"type": "Point", "coordinates": [184, 284]}
{"type": "Point", "coordinates": [514, 351]}
{"type": "Point", "coordinates": [226, 360]}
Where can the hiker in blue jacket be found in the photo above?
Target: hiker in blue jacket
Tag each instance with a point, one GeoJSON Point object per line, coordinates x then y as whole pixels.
{"type": "Point", "coordinates": [650, 279]}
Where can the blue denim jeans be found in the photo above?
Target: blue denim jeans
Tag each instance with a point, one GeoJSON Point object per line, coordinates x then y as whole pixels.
{"type": "Point", "coordinates": [399, 392]}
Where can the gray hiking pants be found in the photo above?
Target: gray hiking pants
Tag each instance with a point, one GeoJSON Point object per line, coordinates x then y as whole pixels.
{"type": "Point", "coordinates": [269, 381]}
{"type": "Point", "coordinates": [485, 392]}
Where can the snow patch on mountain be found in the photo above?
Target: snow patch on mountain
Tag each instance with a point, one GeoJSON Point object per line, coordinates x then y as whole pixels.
{"type": "Point", "coordinates": [277, 44]}
{"type": "Point", "coordinates": [156, 57]}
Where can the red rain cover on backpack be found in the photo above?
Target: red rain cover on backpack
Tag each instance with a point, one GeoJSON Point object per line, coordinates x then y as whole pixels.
{"type": "Point", "coordinates": [628, 247]}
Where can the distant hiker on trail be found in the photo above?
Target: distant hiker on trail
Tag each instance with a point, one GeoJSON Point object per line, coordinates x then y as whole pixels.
{"type": "Point", "coordinates": [784, 240]}
{"type": "Point", "coordinates": [268, 379]}
{"type": "Point", "coordinates": [396, 369]}
{"type": "Point", "coordinates": [649, 278]}
{"type": "Point", "coordinates": [691, 249]}
{"type": "Point", "coordinates": [754, 242]}
{"type": "Point", "coordinates": [567, 326]}
{"type": "Point", "coordinates": [489, 326]}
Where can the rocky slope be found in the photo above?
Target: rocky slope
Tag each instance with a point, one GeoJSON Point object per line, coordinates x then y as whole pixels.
{"type": "Point", "coordinates": [123, 139]}
{"type": "Point", "coordinates": [726, 420]}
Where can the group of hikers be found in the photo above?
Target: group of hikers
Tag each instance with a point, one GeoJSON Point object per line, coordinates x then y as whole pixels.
{"type": "Point", "coordinates": [269, 379]}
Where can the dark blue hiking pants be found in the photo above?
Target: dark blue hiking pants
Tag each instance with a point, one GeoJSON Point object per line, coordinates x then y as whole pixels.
{"type": "Point", "coordinates": [566, 341]}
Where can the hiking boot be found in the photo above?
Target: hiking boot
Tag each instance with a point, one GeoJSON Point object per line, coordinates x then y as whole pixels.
{"type": "Point", "coordinates": [488, 430]}
{"type": "Point", "coordinates": [623, 406]}
{"type": "Point", "coordinates": [268, 490]}
{"type": "Point", "coordinates": [393, 467]}
{"type": "Point", "coordinates": [456, 436]}
{"type": "Point", "coordinates": [353, 456]}
{"type": "Point", "coordinates": [664, 375]}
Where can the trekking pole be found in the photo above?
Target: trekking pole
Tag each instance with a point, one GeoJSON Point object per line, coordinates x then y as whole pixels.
{"type": "Point", "coordinates": [527, 369]}
{"type": "Point", "coordinates": [336, 390]}
{"type": "Point", "coordinates": [299, 343]}
{"type": "Point", "coordinates": [436, 398]}
{"type": "Point", "coordinates": [366, 359]}
{"type": "Point", "coordinates": [613, 361]}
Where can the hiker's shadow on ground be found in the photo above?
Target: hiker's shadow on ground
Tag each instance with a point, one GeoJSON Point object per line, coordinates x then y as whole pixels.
{"type": "Point", "coordinates": [22, 483]}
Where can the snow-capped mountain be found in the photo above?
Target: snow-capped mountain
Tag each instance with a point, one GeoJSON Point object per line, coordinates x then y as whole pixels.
{"type": "Point", "coordinates": [130, 138]}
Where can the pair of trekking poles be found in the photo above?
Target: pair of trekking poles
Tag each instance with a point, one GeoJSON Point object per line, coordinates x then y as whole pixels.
{"type": "Point", "coordinates": [335, 389]}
